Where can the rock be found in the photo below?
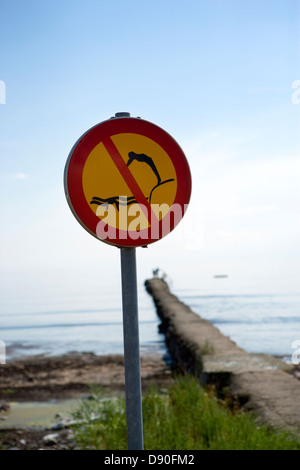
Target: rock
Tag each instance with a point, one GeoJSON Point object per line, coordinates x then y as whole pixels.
{"type": "Point", "coordinates": [4, 407]}
{"type": "Point", "coordinates": [63, 424]}
{"type": "Point", "coordinates": [57, 427]}
{"type": "Point", "coordinates": [51, 439]}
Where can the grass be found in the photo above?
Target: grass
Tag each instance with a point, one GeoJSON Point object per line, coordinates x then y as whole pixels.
{"type": "Point", "coordinates": [184, 417]}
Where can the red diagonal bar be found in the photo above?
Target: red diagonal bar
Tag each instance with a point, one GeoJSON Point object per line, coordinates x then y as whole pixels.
{"type": "Point", "coordinates": [129, 179]}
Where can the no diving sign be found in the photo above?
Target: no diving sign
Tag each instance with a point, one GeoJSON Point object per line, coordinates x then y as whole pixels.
{"type": "Point", "coordinates": [127, 181]}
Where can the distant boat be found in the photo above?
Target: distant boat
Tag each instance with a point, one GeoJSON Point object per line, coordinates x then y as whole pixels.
{"type": "Point", "coordinates": [220, 275]}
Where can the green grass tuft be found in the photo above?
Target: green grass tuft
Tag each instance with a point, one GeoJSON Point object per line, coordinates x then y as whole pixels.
{"type": "Point", "coordinates": [184, 417]}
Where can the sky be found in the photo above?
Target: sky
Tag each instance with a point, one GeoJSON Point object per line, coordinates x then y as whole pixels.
{"type": "Point", "coordinates": [221, 76]}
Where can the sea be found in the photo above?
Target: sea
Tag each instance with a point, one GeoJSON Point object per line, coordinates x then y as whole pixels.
{"type": "Point", "coordinates": [53, 315]}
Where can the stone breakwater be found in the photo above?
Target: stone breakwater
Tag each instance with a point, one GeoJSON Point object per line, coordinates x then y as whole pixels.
{"type": "Point", "coordinates": [258, 382]}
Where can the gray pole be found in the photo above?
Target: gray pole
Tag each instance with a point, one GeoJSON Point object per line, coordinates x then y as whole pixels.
{"type": "Point", "coordinates": [131, 350]}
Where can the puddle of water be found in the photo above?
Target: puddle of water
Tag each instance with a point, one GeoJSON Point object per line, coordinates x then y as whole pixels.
{"type": "Point", "coordinates": [40, 414]}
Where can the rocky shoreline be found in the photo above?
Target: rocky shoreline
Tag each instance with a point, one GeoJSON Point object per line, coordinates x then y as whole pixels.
{"type": "Point", "coordinates": [37, 379]}
{"type": "Point", "coordinates": [41, 378]}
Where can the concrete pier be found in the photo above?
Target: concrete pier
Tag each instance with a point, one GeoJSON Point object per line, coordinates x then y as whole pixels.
{"type": "Point", "coordinates": [259, 382]}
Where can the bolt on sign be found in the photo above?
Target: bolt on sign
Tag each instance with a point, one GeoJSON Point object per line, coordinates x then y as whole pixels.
{"type": "Point", "coordinates": [127, 181]}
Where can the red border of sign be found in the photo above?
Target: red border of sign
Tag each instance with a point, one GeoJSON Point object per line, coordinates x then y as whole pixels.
{"type": "Point", "coordinates": [83, 147]}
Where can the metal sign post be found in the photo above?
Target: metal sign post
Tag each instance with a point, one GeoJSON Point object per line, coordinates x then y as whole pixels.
{"type": "Point", "coordinates": [131, 350]}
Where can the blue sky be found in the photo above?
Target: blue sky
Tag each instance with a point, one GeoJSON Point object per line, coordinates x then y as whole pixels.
{"type": "Point", "coordinates": [217, 75]}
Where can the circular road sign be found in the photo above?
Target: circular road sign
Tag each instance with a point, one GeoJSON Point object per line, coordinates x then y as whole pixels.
{"type": "Point", "coordinates": [127, 181]}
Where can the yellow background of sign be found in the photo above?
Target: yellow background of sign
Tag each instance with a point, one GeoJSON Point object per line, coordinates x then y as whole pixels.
{"type": "Point", "coordinates": [101, 178]}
